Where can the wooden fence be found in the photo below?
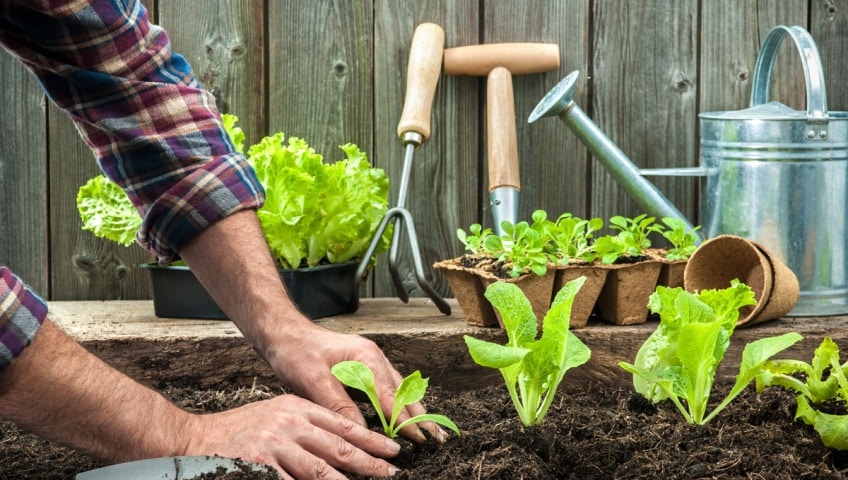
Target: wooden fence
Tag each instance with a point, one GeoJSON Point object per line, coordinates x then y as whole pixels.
{"type": "Point", "coordinates": [333, 71]}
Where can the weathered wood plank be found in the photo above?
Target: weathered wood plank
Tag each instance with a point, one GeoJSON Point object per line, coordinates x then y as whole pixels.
{"type": "Point", "coordinates": [224, 42]}
{"type": "Point", "coordinates": [445, 174]}
{"type": "Point", "coordinates": [23, 175]}
{"type": "Point", "coordinates": [320, 64]}
{"type": "Point", "coordinates": [829, 27]}
{"type": "Point", "coordinates": [552, 160]}
{"type": "Point", "coordinates": [732, 35]}
{"type": "Point", "coordinates": [644, 85]}
{"type": "Point", "coordinates": [415, 336]}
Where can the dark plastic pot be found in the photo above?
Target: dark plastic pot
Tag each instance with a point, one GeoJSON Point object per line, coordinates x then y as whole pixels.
{"type": "Point", "coordinates": [318, 292]}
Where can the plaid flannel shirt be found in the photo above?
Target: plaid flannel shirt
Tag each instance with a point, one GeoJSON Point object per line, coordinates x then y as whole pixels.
{"type": "Point", "coordinates": [152, 129]}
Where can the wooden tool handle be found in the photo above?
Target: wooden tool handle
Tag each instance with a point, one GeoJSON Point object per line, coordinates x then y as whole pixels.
{"type": "Point", "coordinates": [502, 137]}
{"type": "Point", "coordinates": [422, 75]}
{"type": "Point", "coordinates": [518, 58]}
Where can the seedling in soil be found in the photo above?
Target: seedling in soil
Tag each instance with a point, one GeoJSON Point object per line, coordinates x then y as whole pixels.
{"type": "Point", "coordinates": [411, 390]}
{"type": "Point", "coordinates": [679, 360]}
{"type": "Point", "coordinates": [532, 368]}
{"type": "Point", "coordinates": [819, 385]}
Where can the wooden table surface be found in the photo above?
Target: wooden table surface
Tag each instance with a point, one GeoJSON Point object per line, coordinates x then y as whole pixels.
{"type": "Point", "coordinates": [415, 336]}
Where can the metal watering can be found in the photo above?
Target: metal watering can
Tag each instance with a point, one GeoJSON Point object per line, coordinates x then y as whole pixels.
{"type": "Point", "coordinates": [771, 174]}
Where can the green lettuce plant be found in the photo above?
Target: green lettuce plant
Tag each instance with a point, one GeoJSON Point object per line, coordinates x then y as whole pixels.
{"type": "Point", "coordinates": [818, 385]}
{"type": "Point", "coordinates": [475, 239]}
{"type": "Point", "coordinates": [678, 361]}
{"type": "Point", "coordinates": [532, 367]}
{"type": "Point", "coordinates": [314, 213]}
{"type": "Point", "coordinates": [357, 375]}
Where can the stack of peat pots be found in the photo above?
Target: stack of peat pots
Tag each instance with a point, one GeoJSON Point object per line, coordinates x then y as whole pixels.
{"type": "Point", "coordinates": [618, 293]}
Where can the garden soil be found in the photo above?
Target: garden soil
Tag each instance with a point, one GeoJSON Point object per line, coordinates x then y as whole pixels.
{"type": "Point", "coordinates": [589, 433]}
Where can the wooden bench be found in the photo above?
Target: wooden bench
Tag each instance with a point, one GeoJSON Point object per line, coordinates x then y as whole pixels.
{"type": "Point", "coordinates": [415, 336]}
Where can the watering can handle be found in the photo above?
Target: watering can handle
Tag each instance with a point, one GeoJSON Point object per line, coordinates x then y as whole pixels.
{"type": "Point", "coordinates": [813, 73]}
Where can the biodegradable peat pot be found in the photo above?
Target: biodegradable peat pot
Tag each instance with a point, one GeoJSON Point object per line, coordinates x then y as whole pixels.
{"type": "Point", "coordinates": [624, 298]}
{"type": "Point", "coordinates": [727, 257]}
{"type": "Point", "coordinates": [318, 292]}
{"type": "Point", "coordinates": [469, 284]}
{"type": "Point", "coordinates": [468, 289]}
{"type": "Point", "coordinates": [587, 296]}
{"type": "Point", "coordinates": [671, 273]}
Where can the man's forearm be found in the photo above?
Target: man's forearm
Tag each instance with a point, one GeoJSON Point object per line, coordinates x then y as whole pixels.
{"type": "Point", "coordinates": [232, 260]}
{"type": "Point", "coordinates": [60, 391]}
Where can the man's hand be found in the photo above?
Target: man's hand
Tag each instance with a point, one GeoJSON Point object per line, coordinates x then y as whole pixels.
{"type": "Point", "coordinates": [300, 352]}
{"type": "Point", "coordinates": [295, 436]}
{"type": "Point", "coordinates": [304, 362]}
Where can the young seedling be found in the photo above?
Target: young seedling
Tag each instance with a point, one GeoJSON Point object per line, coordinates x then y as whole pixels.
{"type": "Point", "coordinates": [475, 240]}
{"type": "Point", "coordinates": [411, 390]}
{"type": "Point", "coordinates": [683, 242]}
{"type": "Point", "coordinates": [532, 368]}
{"type": "Point", "coordinates": [633, 232]}
{"type": "Point", "coordinates": [679, 360]}
{"type": "Point", "coordinates": [521, 245]}
{"type": "Point", "coordinates": [571, 238]}
{"type": "Point", "coordinates": [822, 382]}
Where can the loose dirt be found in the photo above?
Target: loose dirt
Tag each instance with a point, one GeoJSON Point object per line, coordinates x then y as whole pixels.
{"type": "Point", "coordinates": [589, 433]}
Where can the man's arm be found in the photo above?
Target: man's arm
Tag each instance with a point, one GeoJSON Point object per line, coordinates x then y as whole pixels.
{"type": "Point", "coordinates": [232, 260]}
{"type": "Point", "coordinates": [60, 391]}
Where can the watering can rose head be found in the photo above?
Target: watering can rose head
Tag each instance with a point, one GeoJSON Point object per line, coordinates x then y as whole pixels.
{"type": "Point", "coordinates": [314, 213]}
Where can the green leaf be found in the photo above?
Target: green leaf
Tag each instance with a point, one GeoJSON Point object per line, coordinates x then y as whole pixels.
{"type": "Point", "coordinates": [357, 375]}
{"type": "Point", "coordinates": [106, 211]}
{"type": "Point", "coordinates": [430, 417]}
{"type": "Point", "coordinates": [410, 390]}
{"type": "Point", "coordinates": [516, 311]}
{"type": "Point", "coordinates": [493, 355]}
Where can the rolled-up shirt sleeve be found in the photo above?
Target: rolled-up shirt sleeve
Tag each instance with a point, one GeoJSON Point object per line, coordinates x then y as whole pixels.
{"type": "Point", "coordinates": [22, 313]}
{"type": "Point", "coordinates": [154, 131]}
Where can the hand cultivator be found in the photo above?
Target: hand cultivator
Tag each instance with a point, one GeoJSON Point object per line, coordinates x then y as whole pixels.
{"type": "Point", "coordinates": [425, 64]}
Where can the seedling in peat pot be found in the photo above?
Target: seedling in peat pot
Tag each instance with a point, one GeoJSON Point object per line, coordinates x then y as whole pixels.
{"type": "Point", "coordinates": [411, 390]}
{"type": "Point", "coordinates": [532, 368]}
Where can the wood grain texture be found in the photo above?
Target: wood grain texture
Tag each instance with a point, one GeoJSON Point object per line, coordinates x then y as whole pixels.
{"type": "Point", "coordinates": [333, 72]}
{"type": "Point", "coordinates": [828, 26]}
{"type": "Point", "coordinates": [645, 83]}
{"type": "Point", "coordinates": [24, 224]}
{"type": "Point", "coordinates": [225, 44]}
{"type": "Point", "coordinates": [414, 336]}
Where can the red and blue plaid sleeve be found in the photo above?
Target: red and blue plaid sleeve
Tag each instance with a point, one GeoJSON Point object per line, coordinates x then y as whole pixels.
{"type": "Point", "coordinates": [22, 313]}
{"type": "Point", "coordinates": [153, 129]}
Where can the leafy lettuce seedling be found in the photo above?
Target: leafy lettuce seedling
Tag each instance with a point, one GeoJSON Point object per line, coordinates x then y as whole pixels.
{"type": "Point", "coordinates": [823, 381]}
{"type": "Point", "coordinates": [411, 390]}
{"type": "Point", "coordinates": [679, 360]}
{"type": "Point", "coordinates": [532, 368]}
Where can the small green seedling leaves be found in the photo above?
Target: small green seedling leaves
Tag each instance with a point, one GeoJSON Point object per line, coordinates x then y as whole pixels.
{"type": "Point", "coordinates": [532, 368]}
{"type": "Point", "coordinates": [822, 381]}
{"type": "Point", "coordinates": [411, 390]}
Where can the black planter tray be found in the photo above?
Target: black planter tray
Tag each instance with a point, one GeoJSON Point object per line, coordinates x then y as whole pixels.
{"type": "Point", "coordinates": [318, 292]}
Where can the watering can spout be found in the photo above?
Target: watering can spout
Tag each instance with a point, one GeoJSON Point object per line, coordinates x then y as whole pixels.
{"type": "Point", "coordinates": [559, 101]}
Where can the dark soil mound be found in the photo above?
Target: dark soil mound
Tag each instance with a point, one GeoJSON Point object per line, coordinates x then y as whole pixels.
{"type": "Point", "coordinates": [598, 433]}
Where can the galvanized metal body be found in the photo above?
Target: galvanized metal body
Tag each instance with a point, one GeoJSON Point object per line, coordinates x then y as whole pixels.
{"type": "Point", "coordinates": [779, 176]}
